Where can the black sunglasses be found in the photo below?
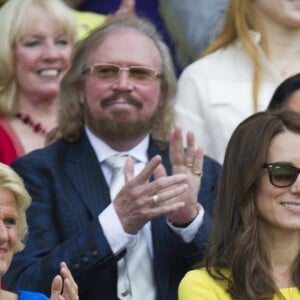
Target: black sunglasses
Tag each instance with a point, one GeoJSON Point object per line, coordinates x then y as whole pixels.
{"type": "Point", "coordinates": [281, 174]}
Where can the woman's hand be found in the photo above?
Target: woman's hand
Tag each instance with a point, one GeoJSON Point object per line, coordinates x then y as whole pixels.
{"type": "Point", "coordinates": [64, 286]}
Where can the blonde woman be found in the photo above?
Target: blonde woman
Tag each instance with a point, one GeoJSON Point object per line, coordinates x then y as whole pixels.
{"type": "Point", "coordinates": [14, 201]}
{"type": "Point", "coordinates": [33, 61]}
{"type": "Point", "coordinates": [237, 75]}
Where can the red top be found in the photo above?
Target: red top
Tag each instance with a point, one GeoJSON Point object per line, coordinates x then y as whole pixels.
{"type": "Point", "coordinates": [10, 145]}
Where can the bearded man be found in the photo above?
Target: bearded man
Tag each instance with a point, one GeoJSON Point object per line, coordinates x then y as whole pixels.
{"type": "Point", "coordinates": [129, 231]}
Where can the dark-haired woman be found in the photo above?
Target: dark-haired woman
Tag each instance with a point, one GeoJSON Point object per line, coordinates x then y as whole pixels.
{"type": "Point", "coordinates": [255, 241]}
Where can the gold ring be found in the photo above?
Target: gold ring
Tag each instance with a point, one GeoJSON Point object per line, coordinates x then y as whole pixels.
{"type": "Point", "coordinates": [189, 165]}
{"type": "Point", "coordinates": [198, 173]}
{"type": "Point", "coordinates": [155, 199]}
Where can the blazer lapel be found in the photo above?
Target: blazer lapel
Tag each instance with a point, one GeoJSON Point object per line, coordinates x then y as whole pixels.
{"type": "Point", "coordinates": [159, 234]}
{"type": "Point", "coordinates": [84, 171]}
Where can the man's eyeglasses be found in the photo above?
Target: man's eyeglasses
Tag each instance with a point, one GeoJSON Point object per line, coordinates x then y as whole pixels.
{"type": "Point", "coordinates": [111, 72]}
{"type": "Point", "coordinates": [282, 175]}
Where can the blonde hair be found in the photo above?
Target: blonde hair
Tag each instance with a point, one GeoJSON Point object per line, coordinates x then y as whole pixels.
{"type": "Point", "coordinates": [71, 117]}
{"type": "Point", "coordinates": [241, 17]}
{"type": "Point", "coordinates": [12, 182]}
{"type": "Point", "coordinates": [14, 24]}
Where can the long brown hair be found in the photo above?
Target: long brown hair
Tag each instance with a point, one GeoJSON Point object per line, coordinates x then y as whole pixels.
{"type": "Point", "coordinates": [71, 120]}
{"type": "Point", "coordinates": [237, 243]}
{"type": "Point", "coordinates": [241, 18]}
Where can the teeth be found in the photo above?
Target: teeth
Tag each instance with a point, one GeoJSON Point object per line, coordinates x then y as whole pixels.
{"type": "Point", "coordinates": [49, 73]}
{"type": "Point", "coordinates": [290, 205]}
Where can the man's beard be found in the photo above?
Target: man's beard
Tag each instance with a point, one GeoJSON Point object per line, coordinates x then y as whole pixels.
{"type": "Point", "coordinates": [119, 129]}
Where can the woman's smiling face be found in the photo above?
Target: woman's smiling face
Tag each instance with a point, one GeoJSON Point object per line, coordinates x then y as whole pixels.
{"type": "Point", "coordinates": [42, 56]}
{"type": "Point", "coordinates": [279, 208]}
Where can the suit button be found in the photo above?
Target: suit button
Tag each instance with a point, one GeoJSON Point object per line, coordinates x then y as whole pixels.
{"type": "Point", "coordinates": [76, 266]}
{"type": "Point", "coordinates": [94, 253]}
{"type": "Point", "coordinates": [85, 259]}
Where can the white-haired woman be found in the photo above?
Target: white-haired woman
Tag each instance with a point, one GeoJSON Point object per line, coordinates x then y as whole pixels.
{"type": "Point", "coordinates": [14, 201]}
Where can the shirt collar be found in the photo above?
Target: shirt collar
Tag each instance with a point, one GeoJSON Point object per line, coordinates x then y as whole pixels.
{"type": "Point", "coordinates": [103, 151]}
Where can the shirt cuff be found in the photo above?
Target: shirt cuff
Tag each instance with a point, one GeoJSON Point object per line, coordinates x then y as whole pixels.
{"type": "Point", "coordinates": [188, 233]}
{"type": "Point", "coordinates": [117, 238]}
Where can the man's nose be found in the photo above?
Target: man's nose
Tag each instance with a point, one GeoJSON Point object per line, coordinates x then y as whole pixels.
{"type": "Point", "coordinates": [123, 81]}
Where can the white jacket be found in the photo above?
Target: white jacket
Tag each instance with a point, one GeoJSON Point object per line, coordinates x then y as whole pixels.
{"type": "Point", "coordinates": [215, 95]}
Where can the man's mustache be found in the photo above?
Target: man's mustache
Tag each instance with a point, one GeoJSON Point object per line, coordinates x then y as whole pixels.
{"type": "Point", "coordinates": [128, 98]}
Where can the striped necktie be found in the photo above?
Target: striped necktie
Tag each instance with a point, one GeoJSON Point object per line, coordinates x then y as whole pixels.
{"type": "Point", "coordinates": [135, 272]}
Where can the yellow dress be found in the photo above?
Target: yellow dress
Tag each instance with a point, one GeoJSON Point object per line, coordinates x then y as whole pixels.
{"type": "Point", "coordinates": [198, 284]}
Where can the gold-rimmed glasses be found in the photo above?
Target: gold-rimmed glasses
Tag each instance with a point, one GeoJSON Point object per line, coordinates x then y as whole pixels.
{"type": "Point", "coordinates": [110, 72]}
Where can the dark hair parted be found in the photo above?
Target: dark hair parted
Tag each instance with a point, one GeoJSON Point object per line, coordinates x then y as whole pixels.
{"type": "Point", "coordinates": [71, 117]}
{"type": "Point", "coordinates": [237, 242]}
{"type": "Point", "coordinates": [284, 91]}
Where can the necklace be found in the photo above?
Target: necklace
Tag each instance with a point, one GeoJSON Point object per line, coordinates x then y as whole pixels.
{"type": "Point", "coordinates": [26, 119]}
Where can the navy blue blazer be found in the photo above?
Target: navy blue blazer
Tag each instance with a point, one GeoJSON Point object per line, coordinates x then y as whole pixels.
{"type": "Point", "coordinates": [69, 191]}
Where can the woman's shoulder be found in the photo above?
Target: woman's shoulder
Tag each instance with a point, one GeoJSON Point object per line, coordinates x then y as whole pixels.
{"type": "Point", "coordinates": [11, 146]}
{"type": "Point", "coordinates": [290, 293]}
{"type": "Point", "coordinates": [218, 62]}
{"type": "Point", "coordinates": [28, 295]}
{"type": "Point", "coordinates": [198, 284]}
{"type": "Point", "coordinates": [202, 274]}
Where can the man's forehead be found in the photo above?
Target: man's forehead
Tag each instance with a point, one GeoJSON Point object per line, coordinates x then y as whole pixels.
{"type": "Point", "coordinates": [126, 44]}
{"type": "Point", "coordinates": [126, 35]}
